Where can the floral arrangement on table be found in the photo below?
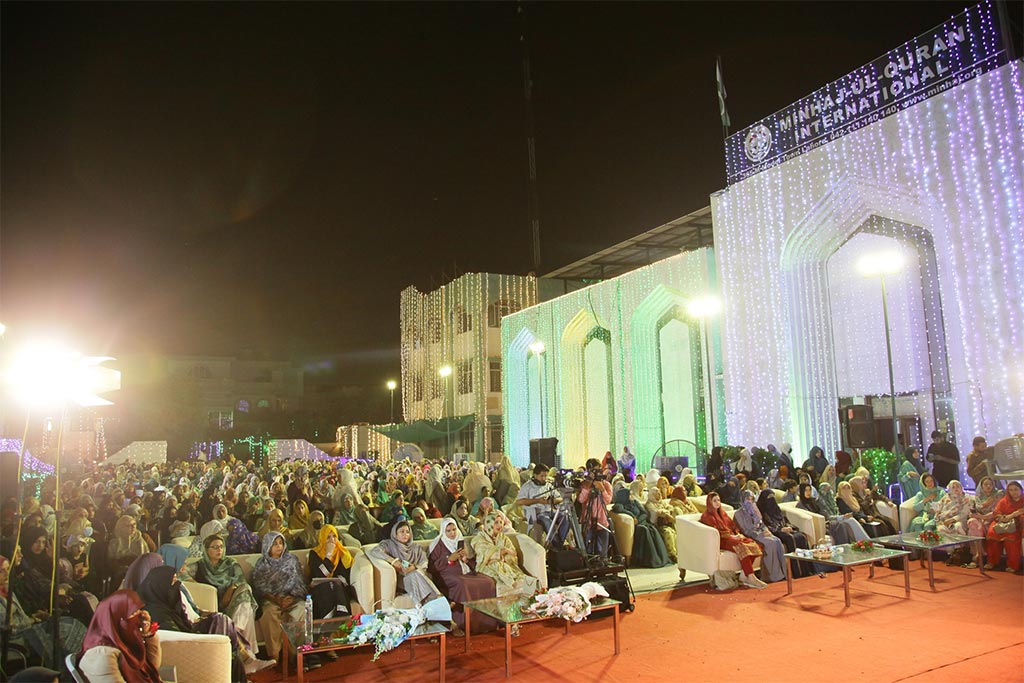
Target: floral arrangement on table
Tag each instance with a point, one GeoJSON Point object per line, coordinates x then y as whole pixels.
{"type": "Point", "coordinates": [929, 536]}
{"type": "Point", "coordinates": [571, 603]}
{"type": "Point", "coordinates": [340, 635]}
{"type": "Point", "coordinates": [863, 546]}
{"type": "Point", "coordinates": [386, 628]}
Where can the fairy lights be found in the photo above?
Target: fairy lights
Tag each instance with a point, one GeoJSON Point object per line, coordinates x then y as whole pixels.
{"type": "Point", "coordinates": [940, 183]}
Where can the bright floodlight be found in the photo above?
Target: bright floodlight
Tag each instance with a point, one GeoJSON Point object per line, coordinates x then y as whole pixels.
{"type": "Point", "coordinates": [883, 263]}
{"type": "Point", "coordinates": [49, 374]}
{"type": "Point", "coordinates": [704, 306]}
{"type": "Point", "coordinates": [537, 347]}
{"type": "Point", "coordinates": [392, 385]}
{"type": "Point", "coordinates": [445, 370]}
{"type": "Point", "coordinates": [3, 329]}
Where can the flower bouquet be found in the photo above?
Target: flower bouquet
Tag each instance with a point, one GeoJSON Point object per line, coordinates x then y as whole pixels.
{"type": "Point", "coordinates": [864, 546]}
{"type": "Point", "coordinates": [571, 603]}
{"type": "Point", "coordinates": [386, 628]}
{"type": "Point", "coordinates": [929, 537]}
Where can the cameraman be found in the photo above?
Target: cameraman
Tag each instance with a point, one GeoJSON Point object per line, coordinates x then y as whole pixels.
{"type": "Point", "coordinates": [537, 497]}
{"type": "Point", "coordinates": [594, 497]}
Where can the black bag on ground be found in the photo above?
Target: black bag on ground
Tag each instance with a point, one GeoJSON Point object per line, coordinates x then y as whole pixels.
{"type": "Point", "coordinates": [618, 589]}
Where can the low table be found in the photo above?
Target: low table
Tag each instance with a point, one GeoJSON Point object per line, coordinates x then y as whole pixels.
{"type": "Point", "coordinates": [848, 559]}
{"type": "Point", "coordinates": [295, 635]}
{"type": "Point", "coordinates": [913, 542]}
{"type": "Point", "coordinates": [509, 610]}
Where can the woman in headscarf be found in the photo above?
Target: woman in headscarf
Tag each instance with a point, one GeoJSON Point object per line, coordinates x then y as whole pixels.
{"type": "Point", "coordinates": [663, 516]}
{"type": "Point", "coordinates": [1009, 509]}
{"type": "Point", "coordinates": [665, 488]}
{"type": "Point", "coordinates": [139, 570]}
{"type": "Point", "coordinates": [310, 536]}
{"type": "Point", "coordinates": [467, 522]}
{"type": "Point", "coordinates": [648, 546]}
{"type": "Point", "coordinates": [218, 525]}
{"type": "Point", "coordinates": [842, 528]}
{"type": "Point", "coordinates": [748, 520]}
{"type": "Point", "coordinates": [690, 484]}
{"type": "Point", "coordinates": [775, 521]}
{"type": "Point", "coordinates": [608, 464]}
{"type": "Point", "coordinates": [274, 522]}
{"type": "Point", "coordinates": [241, 541]}
{"type": "Point", "coordinates": [422, 530]}
{"type": "Point", "coordinates": [394, 509]}
{"type": "Point", "coordinates": [299, 518]}
{"type": "Point", "coordinates": [786, 457]}
{"type": "Point", "coordinates": [329, 565]}
{"type": "Point", "coordinates": [365, 529]}
{"type": "Point", "coordinates": [627, 464]}
{"type": "Point", "coordinates": [925, 503]}
{"type": "Point", "coordinates": [955, 508]}
{"type": "Point", "coordinates": [453, 566]}
{"type": "Point", "coordinates": [506, 482]}
{"type": "Point", "coordinates": [983, 512]}
{"type": "Point", "coordinates": [484, 507]}
{"type": "Point", "coordinates": [496, 557]}
{"type": "Point", "coordinates": [234, 595]}
{"type": "Point", "coordinates": [279, 587]}
{"type": "Point", "coordinates": [680, 500]}
{"type": "Point", "coordinates": [849, 505]}
{"type": "Point", "coordinates": [409, 561]}
{"type": "Point", "coordinates": [124, 546]}
{"type": "Point", "coordinates": [345, 515]}
{"type": "Point", "coordinates": [910, 472]}
{"type": "Point", "coordinates": [868, 505]}
{"type": "Point", "coordinates": [829, 475]}
{"type": "Point", "coordinates": [729, 538]}
{"type": "Point", "coordinates": [745, 463]}
{"type": "Point", "coordinates": [730, 492]}
{"type": "Point", "coordinates": [120, 645]}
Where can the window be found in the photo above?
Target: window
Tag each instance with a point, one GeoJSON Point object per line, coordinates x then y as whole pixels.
{"type": "Point", "coordinates": [242, 406]}
{"type": "Point", "coordinates": [467, 440]}
{"type": "Point", "coordinates": [496, 375]}
{"type": "Point", "coordinates": [200, 372]}
{"type": "Point", "coordinates": [220, 419]}
{"type": "Point", "coordinates": [499, 309]}
{"type": "Point", "coordinates": [465, 377]}
{"type": "Point", "coordinates": [463, 320]}
{"type": "Point", "coordinates": [496, 436]}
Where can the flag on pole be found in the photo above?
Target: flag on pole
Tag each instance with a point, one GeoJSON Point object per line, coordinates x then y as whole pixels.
{"type": "Point", "coordinates": [723, 112]}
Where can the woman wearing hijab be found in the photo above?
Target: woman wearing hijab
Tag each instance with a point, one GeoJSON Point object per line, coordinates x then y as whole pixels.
{"type": "Point", "coordinates": [680, 500]}
{"type": "Point", "coordinates": [745, 463]}
{"type": "Point", "coordinates": [925, 503]}
{"type": "Point", "coordinates": [329, 565]}
{"type": "Point", "coordinates": [366, 529]}
{"type": "Point", "coordinates": [663, 516]}
{"type": "Point", "coordinates": [218, 525]}
{"type": "Point", "coordinates": [452, 566]}
{"type": "Point", "coordinates": [690, 484]}
{"type": "Point", "coordinates": [731, 539]}
{"type": "Point", "coordinates": [409, 561]}
{"type": "Point", "coordinates": [954, 510]}
{"type": "Point", "coordinates": [730, 492]}
{"type": "Point", "coordinates": [496, 557]}
{"type": "Point", "coordinates": [608, 464]}
{"type": "Point", "coordinates": [775, 521]}
{"type": "Point", "coordinates": [139, 570]}
{"type": "Point", "coordinates": [842, 528]}
{"type": "Point", "coordinates": [279, 587]}
{"type": "Point", "coordinates": [275, 523]}
{"type": "Point", "coordinates": [119, 646]}
{"type": "Point", "coordinates": [299, 518]}
{"type": "Point", "coordinates": [849, 505]}
{"type": "Point", "coordinates": [627, 464]}
{"type": "Point", "coordinates": [234, 595]}
{"type": "Point", "coordinates": [648, 546]}
{"type": "Point", "coordinates": [467, 522]}
{"type": "Point", "coordinates": [241, 541]}
{"type": "Point", "coordinates": [394, 509]}
{"type": "Point", "coordinates": [748, 520]}
{"type": "Point", "coordinates": [310, 536]}
{"type": "Point", "coordinates": [984, 505]}
{"type": "Point", "coordinates": [866, 499]}
{"type": "Point", "coordinates": [475, 482]}
{"type": "Point", "coordinates": [910, 472]}
{"type": "Point", "coordinates": [1010, 509]}
{"type": "Point", "coordinates": [506, 482]}
{"type": "Point", "coordinates": [422, 530]}
{"type": "Point", "coordinates": [345, 515]}
{"type": "Point", "coordinates": [124, 546]}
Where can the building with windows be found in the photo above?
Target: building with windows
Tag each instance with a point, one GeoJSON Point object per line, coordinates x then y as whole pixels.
{"type": "Point", "coordinates": [458, 326]}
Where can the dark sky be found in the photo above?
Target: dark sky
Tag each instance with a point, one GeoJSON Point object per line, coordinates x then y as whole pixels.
{"type": "Point", "coordinates": [208, 178]}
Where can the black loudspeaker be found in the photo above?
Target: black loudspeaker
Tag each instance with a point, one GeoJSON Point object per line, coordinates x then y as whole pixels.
{"type": "Point", "coordinates": [859, 423]}
{"type": "Point", "coordinates": [543, 451]}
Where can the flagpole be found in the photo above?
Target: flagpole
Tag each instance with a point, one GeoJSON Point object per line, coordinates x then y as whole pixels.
{"type": "Point", "coordinates": [722, 95]}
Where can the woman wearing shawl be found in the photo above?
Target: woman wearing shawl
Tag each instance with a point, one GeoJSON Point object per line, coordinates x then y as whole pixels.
{"type": "Point", "coordinates": [310, 536]}
{"type": "Point", "coordinates": [467, 522]}
{"type": "Point", "coordinates": [275, 523]}
{"type": "Point", "coordinates": [241, 541]}
{"type": "Point", "coordinates": [910, 472]}
{"type": "Point", "coordinates": [234, 595]}
{"type": "Point", "coordinates": [119, 647]}
{"type": "Point", "coordinates": [345, 515]}
{"type": "Point", "coordinates": [731, 539]}
{"type": "Point", "coordinates": [218, 525]}
{"type": "Point", "coordinates": [124, 546]}
{"type": "Point", "coordinates": [680, 500]}
{"type": "Point", "coordinates": [925, 504]}
{"type": "Point", "coordinates": [496, 557]}
{"type": "Point", "coordinates": [954, 510]}
{"type": "Point", "coordinates": [648, 546]}
{"type": "Point", "coordinates": [663, 516]}
{"type": "Point", "coordinates": [365, 529]}
{"type": "Point", "coordinates": [453, 566]}
{"type": "Point", "coordinates": [435, 490]}
{"type": "Point", "coordinates": [775, 521]}
{"type": "Point", "coordinates": [842, 528]}
{"type": "Point", "coordinates": [394, 509]}
{"type": "Point", "coordinates": [665, 488]}
{"type": "Point", "coordinates": [608, 463]}
{"type": "Point", "coordinates": [329, 565]}
{"type": "Point", "coordinates": [139, 570]}
{"type": "Point", "coordinates": [299, 519]}
{"type": "Point", "coordinates": [279, 587]}
{"type": "Point", "coordinates": [410, 563]}
{"type": "Point", "coordinates": [983, 511]}
{"type": "Point", "coordinates": [484, 507]}
{"type": "Point", "coordinates": [422, 530]}
{"type": "Point", "coordinates": [474, 483]}
{"type": "Point", "coordinates": [745, 463]}
{"type": "Point", "coordinates": [748, 519]}
{"type": "Point", "coordinates": [730, 492]}
{"type": "Point", "coordinates": [1009, 509]}
{"type": "Point", "coordinates": [849, 505]}
{"type": "Point", "coordinates": [627, 464]}
{"type": "Point", "coordinates": [868, 505]}
{"type": "Point", "coordinates": [829, 475]}
{"type": "Point", "coordinates": [506, 482]}
{"type": "Point", "coordinates": [690, 484]}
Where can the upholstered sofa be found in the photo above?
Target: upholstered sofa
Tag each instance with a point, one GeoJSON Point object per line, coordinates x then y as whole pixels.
{"type": "Point", "coordinates": [198, 658]}
{"type": "Point", "coordinates": [624, 524]}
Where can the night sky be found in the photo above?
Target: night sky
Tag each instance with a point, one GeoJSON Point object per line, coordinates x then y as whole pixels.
{"type": "Point", "coordinates": [212, 178]}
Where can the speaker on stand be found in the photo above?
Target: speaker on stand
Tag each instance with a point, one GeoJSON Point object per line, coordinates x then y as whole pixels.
{"type": "Point", "coordinates": [858, 423]}
{"type": "Point", "coordinates": [544, 451]}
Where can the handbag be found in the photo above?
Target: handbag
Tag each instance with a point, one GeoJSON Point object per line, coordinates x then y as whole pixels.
{"type": "Point", "coordinates": [1007, 527]}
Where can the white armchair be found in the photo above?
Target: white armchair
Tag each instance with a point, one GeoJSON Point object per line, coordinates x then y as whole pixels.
{"type": "Point", "coordinates": [198, 658]}
{"type": "Point", "coordinates": [698, 547]}
{"type": "Point", "coordinates": [809, 523]}
{"type": "Point", "coordinates": [204, 595]}
{"type": "Point", "coordinates": [907, 514]}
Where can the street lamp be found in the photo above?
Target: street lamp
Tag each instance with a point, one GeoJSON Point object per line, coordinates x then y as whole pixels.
{"type": "Point", "coordinates": [879, 265]}
{"type": "Point", "coordinates": [537, 349]}
{"type": "Point", "coordinates": [702, 308]}
{"type": "Point", "coordinates": [392, 385]}
{"type": "Point", "coordinates": [446, 371]}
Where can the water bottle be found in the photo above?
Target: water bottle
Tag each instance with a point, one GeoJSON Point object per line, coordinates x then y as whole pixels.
{"type": "Point", "coordinates": [309, 619]}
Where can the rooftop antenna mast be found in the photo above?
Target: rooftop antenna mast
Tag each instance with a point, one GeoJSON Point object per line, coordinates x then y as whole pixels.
{"type": "Point", "coordinates": [534, 210]}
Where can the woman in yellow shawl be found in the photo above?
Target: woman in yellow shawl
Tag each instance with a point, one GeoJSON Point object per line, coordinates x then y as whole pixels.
{"type": "Point", "coordinates": [299, 519]}
{"type": "Point", "coordinates": [329, 566]}
{"type": "Point", "coordinates": [496, 557]}
{"type": "Point", "coordinates": [274, 522]}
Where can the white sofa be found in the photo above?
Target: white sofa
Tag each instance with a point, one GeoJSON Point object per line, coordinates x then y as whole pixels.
{"type": "Point", "coordinates": [532, 559]}
{"type": "Point", "coordinates": [198, 658]}
{"type": "Point", "coordinates": [624, 526]}
{"type": "Point", "coordinates": [698, 547]}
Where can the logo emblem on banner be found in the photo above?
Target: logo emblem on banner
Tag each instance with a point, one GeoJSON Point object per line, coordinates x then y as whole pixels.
{"type": "Point", "coordinates": [757, 143]}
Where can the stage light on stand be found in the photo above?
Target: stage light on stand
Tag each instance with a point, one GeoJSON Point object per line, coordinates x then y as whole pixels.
{"type": "Point", "coordinates": [392, 385]}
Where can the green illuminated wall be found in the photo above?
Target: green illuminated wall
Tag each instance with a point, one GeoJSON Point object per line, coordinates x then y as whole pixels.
{"type": "Point", "coordinates": [622, 365]}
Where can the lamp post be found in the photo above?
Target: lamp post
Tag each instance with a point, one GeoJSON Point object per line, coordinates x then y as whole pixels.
{"type": "Point", "coordinates": [50, 375]}
{"type": "Point", "coordinates": [702, 308]}
{"type": "Point", "coordinates": [392, 385]}
{"type": "Point", "coordinates": [880, 265]}
{"type": "Point", "coordinates": [446, 371]}
{"type": "Point", "coordinates": [537, 349]}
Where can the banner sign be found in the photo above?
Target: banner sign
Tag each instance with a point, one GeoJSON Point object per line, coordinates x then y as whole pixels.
{"type": "Point", "coordinates": [966, 46]}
